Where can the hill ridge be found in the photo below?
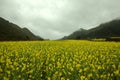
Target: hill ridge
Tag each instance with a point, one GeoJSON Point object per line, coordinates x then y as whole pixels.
{"type": "Point", "coordinates": [12, 32]}
{"type": "Point", "coordinates": [105, 30]}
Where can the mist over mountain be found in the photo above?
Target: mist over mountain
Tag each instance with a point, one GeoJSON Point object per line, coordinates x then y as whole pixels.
{"type": "Point", "coordinates": [105, 30]}
{"type": "Point", "coordinates": [12, 32]}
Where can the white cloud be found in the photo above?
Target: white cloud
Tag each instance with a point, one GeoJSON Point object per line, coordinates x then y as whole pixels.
{"type": "Point", "coordinates": [56, 18]}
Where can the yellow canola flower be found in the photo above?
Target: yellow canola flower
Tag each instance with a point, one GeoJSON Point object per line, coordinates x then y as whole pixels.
{"type": "Point", "coordinates": [8, 62]}
{"type": "Point", "coordinates": [85, 69]}
{"type": "Point", "coordinates": [5, 78]}
{"type": "Point", "coordinates": [56, 72]}
{"type": "Point", "coordinates": [58, 64]}
{"type": "Point", "coordinates": [15, 63]}
{"type": "Point", "coordinates": [19, 76]}
{"type": "Point", "coordinates": [116, 72]}
{"type": "Point", "coordinates": [82, 77]}
{"type": "Point", "coordinates": [62, 78]}
{"type": "Point", "coordinates": [60, 61]}
{"type": "Point", "coordinates": [17, 68]}
{"type": "Point", "coordinates": [8, 72]}
{"type": "Point", "coordinates": [77, 65]}
{"type": "Point", "coordinates": [23, 68]}
{"type": "Point", "coordinates": [114, 66]}
{"type": "Point", "coordinates": [48, 78]}
{"type": "Point", "coordinates": [90, 75]}
{"type": "Point", "coordinates": [1, 69]}
{"type": "Point", "coordinates": [99, 67]}
{"type": "Point", "coordinates": [31, 71]}
{"type": "Point", "coordinates": [30, 76]}
{"type": "Point", "coordinates": [108, 74]}
{"type": "Point", "coordinates": [80, 70]}
{"type": "Point", "coordinates": [60, 74]}
{"type": "Point", "coordinates": [71, 68]}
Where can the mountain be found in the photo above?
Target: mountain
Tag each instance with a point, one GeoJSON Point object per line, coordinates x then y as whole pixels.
{"type": "Point", "coordinates": [77, 34]}
{"type": "Point", "coordinates": [105, 30]}
{"type": "Point", "coordinates": [12, 32]}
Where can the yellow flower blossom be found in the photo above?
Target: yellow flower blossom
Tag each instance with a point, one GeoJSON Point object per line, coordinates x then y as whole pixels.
{"type": "Point", "coordinates": [63, 60]}
{"type": "Point", "coordinates": [77, 65]}
{"type": "Point", "coordinates": [82, 77]}
{"type": "Point", "coordinates": [90, 75]}
{"type": "Point", "coordinates": [116, 72]}
{"type": "Point", "coordinates": [62, 78]}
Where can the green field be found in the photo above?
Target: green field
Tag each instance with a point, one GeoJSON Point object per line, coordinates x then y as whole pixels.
{"type": "Point", "coordinates": [59, 60]}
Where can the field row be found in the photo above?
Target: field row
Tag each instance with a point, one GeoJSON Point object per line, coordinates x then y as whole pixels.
{"type": "Point", "coordinates": [60, 60]}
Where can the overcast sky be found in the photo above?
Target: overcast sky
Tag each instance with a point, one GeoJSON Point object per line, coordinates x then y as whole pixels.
{"type": "Point", "coordinates": [54, 19]}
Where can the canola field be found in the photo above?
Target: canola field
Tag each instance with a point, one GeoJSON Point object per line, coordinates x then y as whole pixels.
{"type": "Point", "coordinates": [59, 60]}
